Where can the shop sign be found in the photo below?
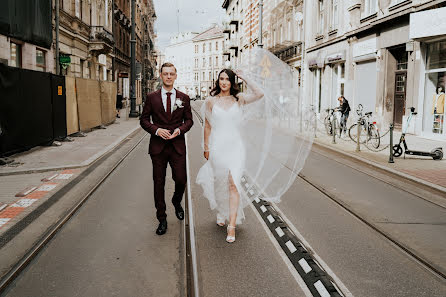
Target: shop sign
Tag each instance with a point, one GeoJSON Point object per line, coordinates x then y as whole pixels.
{"type": "Point", "coordinates": [365, 47]}
{"type": "Point", "coordinates": [428, 23]}
{"type": "Point", "coordinates": [335, 58]}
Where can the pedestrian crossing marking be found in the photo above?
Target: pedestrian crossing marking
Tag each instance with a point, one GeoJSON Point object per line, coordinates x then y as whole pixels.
{"type": "Point", "coordinates": [304, 264]}
{"type": "Point", "coordinates": [290, 246]}
{"type": "Point", "coordinates": [280, 232]}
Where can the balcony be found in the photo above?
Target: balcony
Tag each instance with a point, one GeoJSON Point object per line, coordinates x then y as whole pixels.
{"type": "Point", "coordinates": [226, 50]}
{"type": "Point", "coordinates": [235, 19]}
{"type": "Point", "coordinates": [101, 40]}
{"type": "Point", "coordinates": [226, 28]}
{"type": "Point", "coordinates": [290, 52]}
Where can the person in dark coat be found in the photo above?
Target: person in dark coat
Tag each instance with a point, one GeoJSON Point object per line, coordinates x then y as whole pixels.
{"type": "Point", "coordinates": [344, 108]}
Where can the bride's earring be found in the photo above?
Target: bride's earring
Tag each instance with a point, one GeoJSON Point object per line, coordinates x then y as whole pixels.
{"type": "Point", "coordinates": [230, 238]}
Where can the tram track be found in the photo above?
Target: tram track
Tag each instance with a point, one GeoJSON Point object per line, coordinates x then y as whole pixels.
{"type": "Point", "coordinates": [44, 240]}
{"type": "Point", "coordinates": [272, 216]}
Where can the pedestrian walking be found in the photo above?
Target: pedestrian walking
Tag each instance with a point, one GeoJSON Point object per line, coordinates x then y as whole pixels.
{"type": "Point", "coordinates": [167, 117]}
{"type": "Point", "coordinates": [344, 109]}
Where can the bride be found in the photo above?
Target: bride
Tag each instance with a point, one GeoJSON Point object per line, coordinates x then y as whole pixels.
{"type": "Point", "coordinates": [255, 142]}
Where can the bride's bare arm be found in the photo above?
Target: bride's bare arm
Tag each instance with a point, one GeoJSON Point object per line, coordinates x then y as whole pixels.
{"type": "Point", "coordinates": [256, 92]}
{"type": "Point", "coordinates": [207, 130]}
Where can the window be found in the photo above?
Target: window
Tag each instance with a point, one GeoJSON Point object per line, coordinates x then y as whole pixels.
{"type": "Point", "coordinates": [334, 14]}
{"type": "Point", "coordinates": [216, 45]}
{"type": "Point", "coordinates": [196, 48]}
{"type": "Point", "coordinates": [16, 55]}
{"type": "Point", "coordinates": [371, 6]}
{"type": "Point", "coordinates": [204, 62]}
{"type": "Point", "coordinates": [196, 63]}
{"type": "Point", "coordinates": [202, 77]}
{"type": "Point", "coordinates": [289, 31]}
{"type": "Point", "coordinates": [40, 60]}
{"type": "Point", "coordinates": [401, 62]}
{"type": "Point", "coordinates": [210, 61]}
{"type": "Point", "coordinates": [216, 61]}
{"type": "Point", "coordinates": [210, 47]}
{"type": "Point", "coordinates": [210, 76]}
{"type": "Point", "coordinates": [78, 8]}
{"type": "Point", "coordinates": [204, 47]}
{"type": "Point", "coordinates": [281, 34]}
{"type": "Point", "coordinates": [320, 28]}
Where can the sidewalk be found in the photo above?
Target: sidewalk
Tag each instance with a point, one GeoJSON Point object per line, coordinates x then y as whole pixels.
{"type": "Point", "coordinates": [37, 174]}
{"type": "Point", "coordinates": [424, 170]}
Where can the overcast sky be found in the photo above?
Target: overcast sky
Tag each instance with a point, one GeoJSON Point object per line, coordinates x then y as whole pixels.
{"type": "Point", "coordinates": [194, 15]}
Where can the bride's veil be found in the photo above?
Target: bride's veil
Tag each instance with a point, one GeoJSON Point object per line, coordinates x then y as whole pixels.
{"type": "Point", "coordinates": [277, 129]}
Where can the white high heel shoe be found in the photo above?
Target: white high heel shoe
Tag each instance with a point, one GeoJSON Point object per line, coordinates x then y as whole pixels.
{"type": "Point", "coordinates": [221, 221]}
{"type": "Point", "coordinates": [229, 238]}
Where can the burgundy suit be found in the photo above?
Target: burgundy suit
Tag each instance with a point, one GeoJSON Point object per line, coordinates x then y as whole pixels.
{"type": "Point", "coordinates": [163, 151]}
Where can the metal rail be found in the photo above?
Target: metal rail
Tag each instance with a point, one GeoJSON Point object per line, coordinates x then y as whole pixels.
{"type": "Point", "coordinates": [46, 238]}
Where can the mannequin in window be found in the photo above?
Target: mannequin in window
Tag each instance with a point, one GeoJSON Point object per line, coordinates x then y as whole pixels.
{"type": "Point", "coordinates": [438, 102]}
{"type": "Point", "coordinates": [438, 110]}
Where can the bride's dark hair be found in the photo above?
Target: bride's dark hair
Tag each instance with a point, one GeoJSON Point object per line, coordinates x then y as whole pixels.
{"type": "Point", "coordinates": [234, 87]}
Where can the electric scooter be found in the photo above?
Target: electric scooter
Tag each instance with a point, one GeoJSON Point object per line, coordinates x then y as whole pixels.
{"type": "Point", "coordinates": [436, 153]}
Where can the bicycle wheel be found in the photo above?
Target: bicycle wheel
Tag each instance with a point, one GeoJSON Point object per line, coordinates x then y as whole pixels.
{"type": "Point", "coordinates": [327, 124]}
{"type": "Point", "coordinates": [374, 138]}
{"type": "Point", "coordinates": [353, 133]}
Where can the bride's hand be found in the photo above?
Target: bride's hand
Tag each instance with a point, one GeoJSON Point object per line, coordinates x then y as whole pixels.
{"type": "Point", "coordinates": [206, 155]}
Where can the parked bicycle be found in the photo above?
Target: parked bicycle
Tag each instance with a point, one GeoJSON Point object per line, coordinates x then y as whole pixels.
{"type": "Point", "coordinates": [328, 121]}
{"type": "Point", "coordinates": [369, 130]}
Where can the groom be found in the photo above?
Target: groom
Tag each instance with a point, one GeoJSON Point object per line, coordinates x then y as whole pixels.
{"type": "Point", "coordinates": [167, 117]}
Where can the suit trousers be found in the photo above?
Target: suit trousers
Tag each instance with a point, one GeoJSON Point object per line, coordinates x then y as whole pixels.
{"type": "Point", "coordinates": [178, 166]}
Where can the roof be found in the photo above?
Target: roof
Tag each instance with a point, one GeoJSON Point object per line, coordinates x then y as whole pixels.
{"type": "Point", "coordinates": [213, 32]}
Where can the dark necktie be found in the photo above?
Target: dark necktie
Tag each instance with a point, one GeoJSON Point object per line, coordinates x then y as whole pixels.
{"type": "Point", "coordinates": [168, 105]}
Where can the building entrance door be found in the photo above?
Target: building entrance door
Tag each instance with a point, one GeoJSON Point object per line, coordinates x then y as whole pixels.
{"type": "Point", "coordinates": [400, 98]}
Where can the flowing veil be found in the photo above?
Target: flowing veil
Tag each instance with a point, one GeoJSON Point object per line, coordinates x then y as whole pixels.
{"type": "Point", "coordinates": [277, 130]}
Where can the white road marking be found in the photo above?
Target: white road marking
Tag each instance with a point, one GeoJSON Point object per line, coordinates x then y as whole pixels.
{"type": "Point", "coordinates": [29, 191]}
{"type": "Point", "coordinates": [321, 289]}
{"type": "Point", "coordinates": [304, 264]}
{"type": "Point", "coordinates": [243, 179]}
{"type": "Point", "coordinates": [257, 200]}
{"type": "Point", "coordinates": [270, 219]}
{"type": "Point", "coordinates": [65, 176]}
{"type": "Point", "coordinates": [46, 188]}
{"type": "Point", "coordinates": [263, 208]}
{"type": "Point", "coordinates": [251, 192]}
{"type": "Point", "coordinates": [282, 254]}
{"type": "Point", "coordinates": [290, 246]}
{"type": "Point", "coordinates": [24, 202]}
{"type": "Point", "coordinates": [279, 232]}
{"type": "Point", "coordinates": [3, 221]}
{"type": "Point", "coordinates": [50, 178]}
{"type": "Point", "coordinates": [2, 207]}
{"type": "Point", "coordinates": [307, 247]}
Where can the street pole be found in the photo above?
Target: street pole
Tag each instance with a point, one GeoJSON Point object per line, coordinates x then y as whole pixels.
{"type": "Point", "coordinates": [260, 24]}
{"type": "Point", "coordinates": [133, 112]}
{"type": "Point", "coordinates": [57, 38]}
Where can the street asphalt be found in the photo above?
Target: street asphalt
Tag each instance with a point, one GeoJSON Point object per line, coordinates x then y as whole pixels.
{"type": "Point", "coordinates": [109, 248]}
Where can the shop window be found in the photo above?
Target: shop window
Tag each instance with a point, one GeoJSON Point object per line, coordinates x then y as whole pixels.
{"type": "Point", "coordinates": [40, 60]}
{"type": "Point", "coordinates": [15, 55]}
{"type": "Point", "coordinates": [434, 90]}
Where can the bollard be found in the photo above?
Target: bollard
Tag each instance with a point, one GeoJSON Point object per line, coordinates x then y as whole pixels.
{"type": "Point", "coordinates": [333, 129]}
{"type": "Point", "coordinates": [358, 135]}
{"type": "Point", "coordinates": [391, 144]}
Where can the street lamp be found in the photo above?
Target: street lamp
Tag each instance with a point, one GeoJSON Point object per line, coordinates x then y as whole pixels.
{"type": "Point", "coordinates": [133, 112]}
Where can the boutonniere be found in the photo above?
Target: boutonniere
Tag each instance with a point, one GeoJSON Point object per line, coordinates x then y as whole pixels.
{"type": "Point", "coordinates": [178, 104]}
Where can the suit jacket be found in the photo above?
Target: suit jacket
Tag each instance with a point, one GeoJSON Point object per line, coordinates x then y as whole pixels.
{"type": "Point", "coordinates": [440, 104]}
{"type": "Point", "coordinates": [154, 116]}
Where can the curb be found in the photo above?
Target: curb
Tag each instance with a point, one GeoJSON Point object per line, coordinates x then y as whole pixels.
{"type": "Point", "coordinates": [385, 168]}
{"type": "Point", "coordinates": [85, 163]}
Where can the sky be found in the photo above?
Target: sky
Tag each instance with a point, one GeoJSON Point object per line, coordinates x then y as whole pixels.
{"type": "Point", "coordinates": [194, 15]}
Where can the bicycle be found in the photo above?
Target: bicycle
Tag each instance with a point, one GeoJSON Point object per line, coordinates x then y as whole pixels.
{"type": "Point", "coordinates": [369, 130]}
{"type": "Point", "coordinates": [328, 121]}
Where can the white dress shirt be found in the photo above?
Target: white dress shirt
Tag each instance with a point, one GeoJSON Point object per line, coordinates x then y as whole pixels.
{"type": "Point", "coordinates": [164, 99]}
{"type": "Point", "coordinates": [172, 98]}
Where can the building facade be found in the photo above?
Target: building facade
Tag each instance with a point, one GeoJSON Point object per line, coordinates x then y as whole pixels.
{"type": "Point", "coordinates": [208, 60]}
{"type": "Point", "coordinates": [180, 52]}
{"type": "Point", "coordinates": [381, 54]}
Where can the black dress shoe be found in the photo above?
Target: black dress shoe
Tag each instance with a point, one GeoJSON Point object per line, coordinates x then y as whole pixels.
{"type": "Point", "coordinates": [179, 212]}
{"type": "Point", "coordinates": [162, 228]}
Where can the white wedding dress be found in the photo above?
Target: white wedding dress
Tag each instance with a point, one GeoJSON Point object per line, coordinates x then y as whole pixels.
{"type": "Point", "coordinates": [227, 154]}
{"type": "Point", "coordinates": [261, 143]}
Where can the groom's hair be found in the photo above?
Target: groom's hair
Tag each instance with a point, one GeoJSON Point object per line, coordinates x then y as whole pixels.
{"type": "Point", "coordinates": [167, 64]}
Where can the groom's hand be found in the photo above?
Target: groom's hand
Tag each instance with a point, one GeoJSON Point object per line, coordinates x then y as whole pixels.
{"type": "Point", "coordinates": [164, 134]}
{"type": "Point", "coordinates": [175, 133]}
